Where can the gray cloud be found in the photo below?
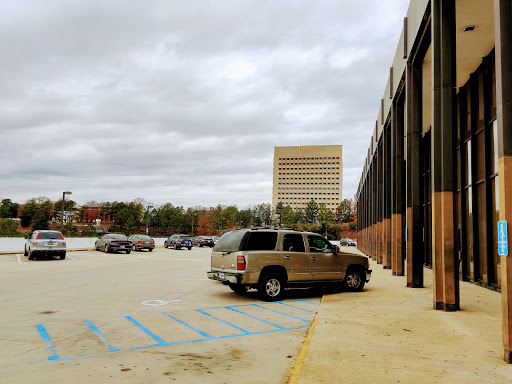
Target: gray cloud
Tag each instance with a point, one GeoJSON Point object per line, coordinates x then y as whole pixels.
{"type": "Point", "coordinates": [183, 102]}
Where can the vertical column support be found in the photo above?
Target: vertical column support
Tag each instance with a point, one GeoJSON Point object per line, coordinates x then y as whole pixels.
{"type": "Point", "coordinates": [414, 228]}
{"type": "Point", "coordinates": [374, 213]}
{"type": "Point", "coordinates": [380, 204]}
{"type": "Point", "coordinates": [387, 198]}
{"type": "Point", "coordinates": [437, 160]}
{"type": "Point", "coordinates": [503, 26]}
{"type": "Point", "coordinates": [451, 297]}
{"type": "Point", "coordinates": [397, 140]}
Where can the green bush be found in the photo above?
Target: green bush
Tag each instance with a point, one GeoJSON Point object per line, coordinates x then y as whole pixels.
{"type": "Point", "coordinates": [9, 228]}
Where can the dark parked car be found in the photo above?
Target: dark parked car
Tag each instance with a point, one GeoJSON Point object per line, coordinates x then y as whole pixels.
{"type": "Point", "coordinates": [112, 242]}
{"type": "Point", "coordinates": [203, 241]}
{"type": "Point", "coordinates": [142, 242]}
{"type": "Point", "coordinates": [178, 241]}
{"type": "Point", "coordinates": [347, 242]}
{"type": "Point", "coordinates": [45, 242]}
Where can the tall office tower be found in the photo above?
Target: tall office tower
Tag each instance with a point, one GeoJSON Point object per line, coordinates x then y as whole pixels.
{"type": "Point", "coordinates": [308, 172]}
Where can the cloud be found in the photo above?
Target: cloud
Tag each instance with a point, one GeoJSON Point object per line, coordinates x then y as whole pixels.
{"type": "Point", "coordinates": [183, 102]}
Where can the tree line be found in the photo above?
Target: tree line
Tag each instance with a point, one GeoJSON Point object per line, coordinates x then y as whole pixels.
{"type": "Point", "coordinates": [163, 220]}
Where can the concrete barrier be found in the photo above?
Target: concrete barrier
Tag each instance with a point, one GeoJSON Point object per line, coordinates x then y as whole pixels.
{"type": "Point", "coordinates": [17, 244]}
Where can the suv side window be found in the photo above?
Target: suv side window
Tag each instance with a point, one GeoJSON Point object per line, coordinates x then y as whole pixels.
{"type": "Point", "coordinates": [293, 242]}
{"type": "Point", "coordinates": [261, 241]}
{"type": "Point", "coordinates": [319, 244]}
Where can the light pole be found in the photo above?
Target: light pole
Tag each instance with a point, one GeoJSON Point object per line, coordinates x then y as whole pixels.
{"type": "Point", "coordinates": [62, 212]}
{"type": "Point", "coordinates": [147, 225]}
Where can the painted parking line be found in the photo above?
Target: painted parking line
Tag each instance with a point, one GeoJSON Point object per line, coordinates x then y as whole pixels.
{"type": "Point", "coordinates": [97, 332]}
{"type": "Point", "coordinates": [282, 313]}
{"type": "Point", "coordinates": [159, 340]}
{"type": "Point", "coordinates": [254, 317]}
{"type": "Point", "coordinates": [293, 306]}
{"type": "Point", "coordinates": [252, 311]}
{"type": "Point", "coordinates": [223, 321]}
{"type": "Point", "coordinates": [19, 259]}
{"type": "Point", "coordinates": [206, 335]}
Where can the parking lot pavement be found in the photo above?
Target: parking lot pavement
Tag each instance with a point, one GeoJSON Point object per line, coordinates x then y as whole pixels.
{"type": "Point", "coordinates": [150, 316]}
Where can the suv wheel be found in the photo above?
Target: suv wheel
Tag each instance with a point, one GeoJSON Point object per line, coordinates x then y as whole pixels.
{"type": "Point", "coordinates": [354, 280]}
{"type": "Point", "coordinates": [271, 287]}
{"type": "Point", "coordinates": [106, 248]}
{"type": "Point", "coordinates": [25, 253]}
{"type": "Point", "coordinates": [30, 254]}
{"type": "Point", "coordinates": [175, 246]}
{"type": "Point", "coordinates": [63, 256]}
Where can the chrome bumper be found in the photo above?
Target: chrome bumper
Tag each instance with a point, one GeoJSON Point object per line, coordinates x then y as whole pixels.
{"type": "Point", "coordinates": [222, 276]}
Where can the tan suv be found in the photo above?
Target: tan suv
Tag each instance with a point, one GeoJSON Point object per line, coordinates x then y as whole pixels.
{"type": "Point", "coordinates": [273, 259]}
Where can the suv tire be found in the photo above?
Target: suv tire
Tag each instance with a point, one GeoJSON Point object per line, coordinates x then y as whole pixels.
{"type": "Point", "coordinates": [106, 248]}
{"type": "Point", "coordinates": [25, 253]}
{"type": "Point", "coordinates": [271, 287]}
{"type": "Point", "coordinates": [354, 280]}
{"type": "Point", "coordinates": [63, 256]}
{"type": "Point", "coordinates": [30, 254]}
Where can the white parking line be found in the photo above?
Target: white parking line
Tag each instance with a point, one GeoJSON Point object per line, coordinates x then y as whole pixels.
{"type": "Point", "coordinates": [71, 257]}
{"type": "Point", "coordinates": [19, 259]}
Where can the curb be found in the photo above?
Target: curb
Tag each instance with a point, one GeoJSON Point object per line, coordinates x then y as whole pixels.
{"type": "Point", "coordinates": [294, 378]}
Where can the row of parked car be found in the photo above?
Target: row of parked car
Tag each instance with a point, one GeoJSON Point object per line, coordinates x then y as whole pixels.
{"type": "Point", "coordinates": [112, 242]}
{"type": "Point", "coordinates": [53, 243]}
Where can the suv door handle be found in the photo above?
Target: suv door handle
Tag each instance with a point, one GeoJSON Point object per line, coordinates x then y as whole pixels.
{"type": "Point", "coordinates": [313, 257]}
{"type": "Point", "coordinates": [287, 257]}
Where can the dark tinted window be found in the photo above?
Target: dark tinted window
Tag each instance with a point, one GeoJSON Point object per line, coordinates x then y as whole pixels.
{"type": "Point", "coordinates": [293, 242]}
{"type": "Point", "coordinates": [118, 237]}
{"type": "Point", "coordinates": [319, 244]}
{"type": "Point", "coordinates": [229, 242]}
{"type": "Point", "coordinates": [185, 237]}
{"type": "Point", "coordinates": [261, 241]}
{"type": "Point", "coordinates": [50, 235]}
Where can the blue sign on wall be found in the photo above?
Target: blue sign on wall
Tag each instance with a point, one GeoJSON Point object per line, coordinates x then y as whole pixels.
{"type": "Point", "coordinates": [502, 238]}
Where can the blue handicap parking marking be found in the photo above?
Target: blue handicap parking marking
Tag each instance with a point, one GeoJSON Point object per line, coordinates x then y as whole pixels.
{"type": "Point", "coordinates": [183, 326]}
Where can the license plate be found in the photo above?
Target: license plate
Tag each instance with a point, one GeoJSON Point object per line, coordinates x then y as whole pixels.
{"type": "Point", "coordinates": [49, 243]}
{"type": "Point", "coordinates": [222, 276]}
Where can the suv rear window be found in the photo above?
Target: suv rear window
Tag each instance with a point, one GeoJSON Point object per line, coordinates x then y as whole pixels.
{"type": "Point", "coordinates": [50, 235]}
{"type": "Point", "coordinates": [230, 242]}
{"type": "Point", "coordinates": [118, 237]}
{"type": "Point", "coordinates": [261, 241]}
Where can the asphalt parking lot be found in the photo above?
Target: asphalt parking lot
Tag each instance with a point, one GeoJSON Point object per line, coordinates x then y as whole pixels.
{"type": "Point", "coordinates": [148, 317]}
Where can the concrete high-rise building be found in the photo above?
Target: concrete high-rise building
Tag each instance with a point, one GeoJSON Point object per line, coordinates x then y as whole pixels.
{"type": "Point", "coordinates": [308, 172]}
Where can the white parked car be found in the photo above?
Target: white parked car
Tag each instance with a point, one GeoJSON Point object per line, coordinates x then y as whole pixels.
{"type": "Point", "coordinates": [45, 242]}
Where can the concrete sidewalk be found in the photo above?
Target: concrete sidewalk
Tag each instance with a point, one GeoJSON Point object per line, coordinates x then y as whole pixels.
{"type": "Point", "coordinates": [390, 334]}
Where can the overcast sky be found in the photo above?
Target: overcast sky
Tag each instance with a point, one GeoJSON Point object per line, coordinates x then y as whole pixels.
{"type": "Point", "coordinates": [184, 101]}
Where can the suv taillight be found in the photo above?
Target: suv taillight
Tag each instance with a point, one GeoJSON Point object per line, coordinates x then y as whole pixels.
{"type": "Point", "coordinates": [140, 241]}
{"type": "Point", "coordinates": [240, 263]}
{"type": "Point", "coordinates": [152, 241]}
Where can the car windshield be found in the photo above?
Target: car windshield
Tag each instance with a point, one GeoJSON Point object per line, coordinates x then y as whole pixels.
{"type": "Point", "coordinates": [230, 242]}
{"type": "Point", "coordinates": [50, 235]}
{"type": "Point", "coordinates": [144, 237]}
{"type": "Point", "coordinates": [185, 237]}
{"type": "Point", "coordinates": [118, 237]}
